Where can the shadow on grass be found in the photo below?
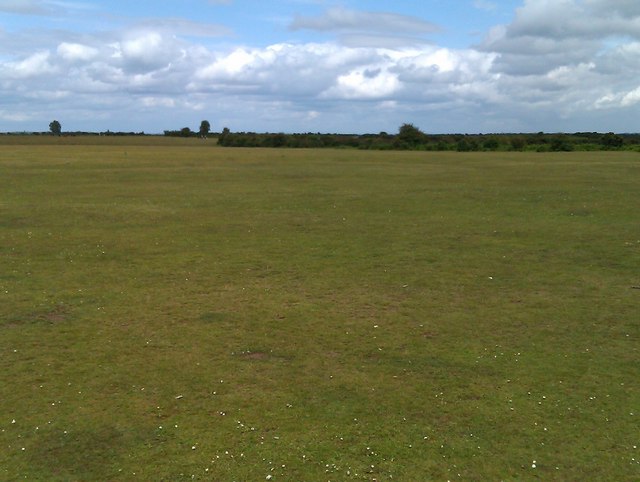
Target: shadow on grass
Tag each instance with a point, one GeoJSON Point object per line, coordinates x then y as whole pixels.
{"type": "Point", "coordinates": [88, 454]}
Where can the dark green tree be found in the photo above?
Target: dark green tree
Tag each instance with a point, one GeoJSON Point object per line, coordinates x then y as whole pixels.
{"type": "Point", "coordinates": [491, 144]}
{"type": "Point", "coordinates": [223, 140]}
{"type": "Point", "coordinates": [205, 127]}
{"type": "Point", "coordinates": [466, 145]}
{"type": "Point", "coordinates": [185, 132]}
{"type": "Point", "coordinates": [611, 141]}
{"type": "Point", "coordinates": [55, 128]}
{"type": "Point", "coordinates": [561, 143]}
{"type": "Point", "coordinates": [410, 136]}
{"type": "Point", "coordinates": [518, 143]}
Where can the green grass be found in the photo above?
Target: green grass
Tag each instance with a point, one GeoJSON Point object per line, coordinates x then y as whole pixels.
{"type": "Point", "coordinates": [183, 311]}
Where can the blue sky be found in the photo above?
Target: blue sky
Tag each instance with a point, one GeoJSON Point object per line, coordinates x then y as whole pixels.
{"type": "Point", "coordinates": [313, 65]}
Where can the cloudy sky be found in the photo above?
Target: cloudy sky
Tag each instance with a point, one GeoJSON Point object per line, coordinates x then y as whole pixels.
{"type": "Point", "coordinates": [329, 66]}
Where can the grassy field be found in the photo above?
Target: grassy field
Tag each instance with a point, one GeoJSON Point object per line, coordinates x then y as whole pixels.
{"type": "Point", "coordinates": [183, 311]}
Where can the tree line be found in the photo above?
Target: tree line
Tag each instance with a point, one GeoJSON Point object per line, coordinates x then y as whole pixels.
{"type": "Point", "coordinates": [203, 132]}
{"type": "Point", "coordinates": [410, 137]}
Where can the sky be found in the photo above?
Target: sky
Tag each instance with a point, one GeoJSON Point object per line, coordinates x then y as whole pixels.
{"type": "Point", "coordinates": [348, 66]}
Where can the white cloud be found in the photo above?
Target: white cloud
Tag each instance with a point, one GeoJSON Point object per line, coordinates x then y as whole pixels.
{"type": "Point", "coordinates": [569, 57]}
{"type": "Point", "coordinates": [232, 65]}
{"type": "Point", "coordinates": [33, 66]}
{"type": "Point", "coordinates": [631, 98]}
{"type": "Point", "coordinates": [364, 84]}
{"type": "Point", "coordinates": [158, 102]}
{"type": "Point", "coordinates": [556, 32]}
{"type": "Point", "coordinates": [144, 51]}
{"type": "Point", "coordinates": [76, 52]}
{"type": "Point", "coordinates": [143, 45]}
{"type": "Point", "coordinates": [614, 101]}
{"type": "Point", "coordinates": [280, 69]}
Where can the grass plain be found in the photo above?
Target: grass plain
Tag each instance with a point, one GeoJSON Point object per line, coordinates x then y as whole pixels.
{"type": "Point", "coordinates": [189, 312]}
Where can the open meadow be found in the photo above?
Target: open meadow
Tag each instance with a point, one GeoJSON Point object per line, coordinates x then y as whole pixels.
{"type": "Point", "coordinates": [174, 310]}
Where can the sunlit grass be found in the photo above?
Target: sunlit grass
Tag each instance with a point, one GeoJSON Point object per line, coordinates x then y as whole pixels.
{"type": "Point", "coordinates": [187, 311]}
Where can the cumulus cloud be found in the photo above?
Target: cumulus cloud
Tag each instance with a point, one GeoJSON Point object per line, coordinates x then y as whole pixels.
{"type": "Point", "coordinates": [575, 58]}
{"type": "Point", "coordinates": [364, 84]}
{"type": "Point", "coordinates": [320, 73]}
{"type": "Point", "coordinates": [35, 65]}
{"type": "Point", "coordinates": [281, 69]}
{"type": "Point", "coordinates": [546, 34]}
{"type": "Point", "coordinates": [75, 52]}
{"type": "Point", "coordinates": [631, 98]}
{"type": "Point", "coordinates": [622, 99]}
{"type": "Point", "coordinates": [146, 51]}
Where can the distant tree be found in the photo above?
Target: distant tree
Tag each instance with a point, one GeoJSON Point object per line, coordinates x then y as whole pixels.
{"type": "Point", "coordinates": [185, 132]}
{"type": "Point", "coordinates": [410, 136]}
{"type": "Point", "coordinates": [274, 140]}
{"type": "Point", "coordinates": [223, 140]}
{"type": "Point", "coordinates": [55, 128]}
{"type": "Point", "coordinates": [491, 144]}
{"type": "Point", "coordinates": [611, 141]}
{"type": "Point", "coordinates": [518, 143]}
{"type": "Point", "coordinates": [560, 143]}
{"type": "Point", "coordinates": [466, 145]}
{"type": "Point", "coordinates": [205, 127]}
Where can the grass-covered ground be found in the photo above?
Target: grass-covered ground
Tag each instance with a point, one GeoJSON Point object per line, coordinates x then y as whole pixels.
{"type": "Point", "coordinates": [184, 311]}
